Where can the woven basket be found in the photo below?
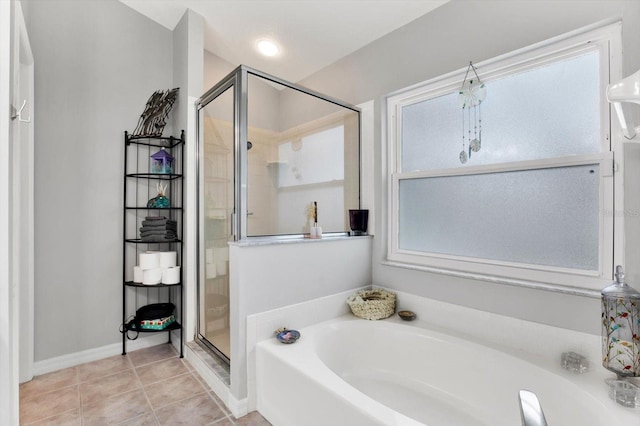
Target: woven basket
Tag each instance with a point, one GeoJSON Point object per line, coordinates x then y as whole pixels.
{"type": "Point", "coordinates": [372, 304]}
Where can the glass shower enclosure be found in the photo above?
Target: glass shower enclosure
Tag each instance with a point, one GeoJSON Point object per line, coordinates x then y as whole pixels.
{"type": "Point", "coordinates": [268, 151]}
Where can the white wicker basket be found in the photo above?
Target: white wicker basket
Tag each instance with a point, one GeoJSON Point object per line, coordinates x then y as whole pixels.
{"type": "Point", "coordinates": [372, 304]}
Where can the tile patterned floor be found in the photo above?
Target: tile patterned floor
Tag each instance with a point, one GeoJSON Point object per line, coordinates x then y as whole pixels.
{"type": "Point", "coordinates": [150, 386]}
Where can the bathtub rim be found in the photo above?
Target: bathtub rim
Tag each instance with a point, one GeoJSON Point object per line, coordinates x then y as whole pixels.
{"type": "Point", "coordinates": [591, 383]}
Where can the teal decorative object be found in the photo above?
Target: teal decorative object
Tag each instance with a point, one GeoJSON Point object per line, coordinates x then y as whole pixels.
{"type": "Point", "coordinates": [160, 201]}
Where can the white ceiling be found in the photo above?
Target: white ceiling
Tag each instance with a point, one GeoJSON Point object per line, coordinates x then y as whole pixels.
{"type": "Point", "coordinates": [311, 33]}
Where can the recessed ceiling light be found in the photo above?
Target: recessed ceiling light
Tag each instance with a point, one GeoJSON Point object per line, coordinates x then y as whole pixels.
{"type": "Point", "coordinates": [267, 47]}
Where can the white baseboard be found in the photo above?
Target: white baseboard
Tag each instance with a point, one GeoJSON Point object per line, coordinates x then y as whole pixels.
{"type": "Point", "coordinates": [238, 407]}
{"type": "Point", "coordinates": [77, 358]}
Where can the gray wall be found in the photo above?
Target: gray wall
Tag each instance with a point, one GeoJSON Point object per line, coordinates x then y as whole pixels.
{"type": "Point", "coordinates": [446, 40]}
{"type": "Point", "coordinates": [215, 69]}
{"type": "Point", "coordinates": [97, 63]}
{"type": "Point", "coordinates": [188, 45]}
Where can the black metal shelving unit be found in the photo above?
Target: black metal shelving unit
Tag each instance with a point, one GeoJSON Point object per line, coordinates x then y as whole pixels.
{"type": "Point", "coordinates": [139, 188]}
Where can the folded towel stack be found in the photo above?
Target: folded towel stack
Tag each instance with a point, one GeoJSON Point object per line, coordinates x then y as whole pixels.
{"type": "Point", "coordinates": [158, 229]}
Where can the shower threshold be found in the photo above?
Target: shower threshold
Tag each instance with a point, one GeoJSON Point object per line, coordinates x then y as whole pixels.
{"type": "Point", "coordinates": [215, 363]}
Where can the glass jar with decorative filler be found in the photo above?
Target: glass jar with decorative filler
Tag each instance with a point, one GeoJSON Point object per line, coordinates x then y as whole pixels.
{"type": "Point", "coordinates": [621, 328]}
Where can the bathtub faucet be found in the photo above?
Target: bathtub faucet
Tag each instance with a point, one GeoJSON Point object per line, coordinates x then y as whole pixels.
{"type": "Point", "coordinates": [530, 409]}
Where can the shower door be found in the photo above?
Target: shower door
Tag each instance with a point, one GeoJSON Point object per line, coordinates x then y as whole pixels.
{"type": "Point", "coordinates": [266, 150]}
{"type": "Point", "coordinates": [216, 208]}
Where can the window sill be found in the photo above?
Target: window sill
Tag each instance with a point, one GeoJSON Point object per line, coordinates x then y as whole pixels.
{"type": "Point", "coordinates": [293, 239]}
{"type": "Point", "coordinates": [574, 291]}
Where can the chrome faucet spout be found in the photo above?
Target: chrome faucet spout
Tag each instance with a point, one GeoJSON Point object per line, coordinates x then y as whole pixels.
{"type": "Point", "coordinates": [530, 409]}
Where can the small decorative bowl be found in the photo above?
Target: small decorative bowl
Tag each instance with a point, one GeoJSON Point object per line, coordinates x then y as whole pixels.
{"type": "Point", "coordinates": [407, 315]}
{"type": "Point", "coordinates": [288, 336]}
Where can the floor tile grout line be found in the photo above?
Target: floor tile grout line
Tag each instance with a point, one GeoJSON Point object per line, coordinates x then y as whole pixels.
{"type": "Point", "coordinates": [111, 394]}
{"type": "Point", "coordinates": [56, 390]}
{"type": "Point", "coordinates": [49, 417]}
{"type": "Point", "coordinates": [38, 393]}
{"type": "Point", "coordinates": [110, 373]}
{"type": "Point", "coordinates": [162, 380]}
{"type": "Point", "coordinates": [226, 414]}
{"type": "Point", "coordinates": [174, 402]}
{"type": "Point", "coordinates": [144, 392]}
{"type": "Point", "coordinates": [224, 410]}
{"type": "Point", "coordinates": [156, 362]}
{"type": "Point", "coordinates": [175, 355]}
{"type": "Point", "coordinates": [219, 421]}
{"type": "Point", "coordinates": [200, 380]}
{"type": "Point", "coordinates": [105, 376]}
{"type": "Point", "coordinates": [81, 410]}
{"type": "Point", "coordinates": [211, 393]}
{"type": "Point", "coordinates": [215, 398]}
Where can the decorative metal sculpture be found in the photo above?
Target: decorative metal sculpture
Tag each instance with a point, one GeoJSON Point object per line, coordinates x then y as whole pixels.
{"type": "Point", "coordinates": [154, 117]}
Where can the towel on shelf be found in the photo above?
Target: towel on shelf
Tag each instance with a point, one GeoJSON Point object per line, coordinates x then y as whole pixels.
{"type": "Point", "coordinates": [158, 238]}
{"type": "Point", "coordinates": [159, 228]}
{"type": "Point", "coordinates": [167, 233]}
{"type": "Point", "coordinates": [158, 221]}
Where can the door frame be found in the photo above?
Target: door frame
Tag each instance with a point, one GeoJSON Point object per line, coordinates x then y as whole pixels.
{"type": "Point", "coordinates": [23, 193]}
{"type": "Point", "coordinates": [9, 407]}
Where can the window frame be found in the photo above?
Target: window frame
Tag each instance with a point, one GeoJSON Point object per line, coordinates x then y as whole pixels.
{"type": "Point", "coordinates": [605, 39]}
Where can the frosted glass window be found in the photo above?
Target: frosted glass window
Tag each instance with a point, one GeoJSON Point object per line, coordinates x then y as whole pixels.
{"type": "Point", "coordinates": [545, 112]}
{"type": "Point", "coordinates": [542, 217]}
{"type": "Point", "coordinates": [537, 203]}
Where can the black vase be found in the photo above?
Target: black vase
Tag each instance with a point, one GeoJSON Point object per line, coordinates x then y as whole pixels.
{"type": "Point", "coordinates": [358, 221]}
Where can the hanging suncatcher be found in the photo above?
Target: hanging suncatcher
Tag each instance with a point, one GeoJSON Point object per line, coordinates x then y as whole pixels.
{"type": "Point", "coordinates": [472, 93]}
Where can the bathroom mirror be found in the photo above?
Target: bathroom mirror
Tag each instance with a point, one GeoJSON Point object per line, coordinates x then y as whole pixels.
{"type": "Point", "coordinates": [303, 148]}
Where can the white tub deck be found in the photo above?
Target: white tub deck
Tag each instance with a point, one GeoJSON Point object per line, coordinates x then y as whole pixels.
{"type": "Point", "coordinates": [353, 372]}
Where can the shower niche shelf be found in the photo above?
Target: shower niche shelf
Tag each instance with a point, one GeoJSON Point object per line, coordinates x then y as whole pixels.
{"type": "Point", "coordinates": [141, 184]}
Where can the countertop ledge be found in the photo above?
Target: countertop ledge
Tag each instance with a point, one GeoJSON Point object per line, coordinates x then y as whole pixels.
{"type": "Point", "coordinates": [297, 239]}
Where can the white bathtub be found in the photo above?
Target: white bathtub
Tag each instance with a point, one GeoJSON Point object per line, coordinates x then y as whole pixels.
{"type": "Point", "coordinates": [355, 372]}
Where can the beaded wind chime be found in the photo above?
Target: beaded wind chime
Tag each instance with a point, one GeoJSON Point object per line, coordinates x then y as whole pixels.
{"type": "Point", "coordinates": [470, 97]}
